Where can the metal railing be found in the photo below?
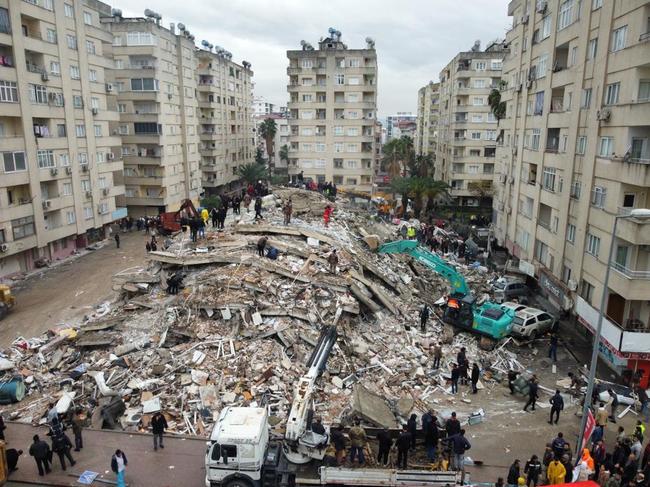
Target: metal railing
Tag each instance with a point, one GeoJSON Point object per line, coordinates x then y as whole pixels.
{"type": "Point", "coordinates": [630, 273]}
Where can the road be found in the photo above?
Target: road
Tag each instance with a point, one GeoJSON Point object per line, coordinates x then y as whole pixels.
{"type": "Point", "coordinates": [67, 292]}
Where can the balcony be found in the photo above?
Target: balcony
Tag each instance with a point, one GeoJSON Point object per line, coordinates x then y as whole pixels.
{"type": "Point", "coordinates": [632, 284]}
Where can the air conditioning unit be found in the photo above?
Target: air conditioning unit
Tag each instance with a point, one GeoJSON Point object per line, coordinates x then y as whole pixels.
{"type": "Point", "coordinates": [89, 194]}
{"type": "Point", "coordinates": [44, 76]}
{"type": "Point", "coordinates": [4, 248]}
{"type": "Point", "coordinates": [84, 167]}
{"type": "Point", "coordinates": [68, 170]}
{"type": "Point", "coordinates": [572, 285]}
{"type": "Point", "coordinates": [169, 96]}
{"type": "Point", "coordinates": [542, 5]}
{"type": "Point", "coordinates": [604, 114]}
{"type": "Point", "coordinates": [105, 191]}
{"type": "Point", "coordinates": [54, 171]}
{"type": "Point", "coordinates": [109, 87]}
{"type": "Point", "coordinates": [110, 156]}
{"type": "Point", "coordinates": [46, 204]}
{"type": "Point", "coordinates": [94, 111]}
{"type": "Point", "coordinates": [524, 19]}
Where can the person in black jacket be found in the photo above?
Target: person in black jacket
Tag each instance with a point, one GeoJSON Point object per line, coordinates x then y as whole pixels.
{"type": "Point", "coordinates": [455, 375]}
{"type": "Point", "coordinates": [613, 405]}
{"type": "Point", "coordinates": [557, 405]}
{"type": "Point", "coordinates": [532, 393]}
{"type": "Point", "coordinates": [403, 443]}
{"type": "Point", "coordinates": [475, 376]}
{"type": "Point", "coordinates": [385, 442]}
{"type": "Point", "coordinates": [513, 473]}
{"type": "Point", "coordinates": [61, 445]}
{"type": "Point", "coordinates": [452, 425]}
{"type": "Point", "coordinates": [412, 424]}
{"type": "Point", "coordinates": [459, 445]}
{"type": "Point", "coordinates": [431, 437]}
{"type": "Point", "coordinates": [41, 453]}
{"type": "Point", "coordinates": [338, 440]}
{"type": "Point", "coordinates": [118, 466]}
{"type": "Point", "coordinates": [533, 469]}
{"type": "Point", "coordinates": [158, 425]}
{"type": "Point", "coordinates": [424, 316]}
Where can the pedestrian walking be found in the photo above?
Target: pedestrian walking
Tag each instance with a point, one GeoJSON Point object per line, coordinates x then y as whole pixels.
{"type": "Point", "coordinates": [461, 360]}
{"type": "Point", "coordinates": [358, 440]}
{"type": "Point", "coordinates": [460, 445]}
{"type": "Point", "coordinates": [287, 210]}
{"type": "Point", "coordinates": [455, 375]}
{"type": "Point", "coordinates": [77, 426]}
{"type": "Point", "coordinates": [118, 466]}
{"type": "Point", "coordinates": [613, 405]}
{"type": "Point", "coordinates": [512, 377]}
{"type": "Point", "coordinates": [645, 403]}
{"type": "Point", "coordinates": [558, 444]}
{"type": "Point", "coordinates": [424, 317]}
{"type": "Point", "coordinates": [158, 426]}
{"type": "Point", "coordinates": [41, 453]}
{"type": "Point", "coordinates": [532, 393]}
{"type": "Point", "coordinates": [338, 440]}
{"type": "Point", "coordinates": [258, 208]}
{"type": "Point", "coordinates": [12, 459]}
{"type": "Point", "coordinates": [513, 473]}
{"type": "Point", "coordinates": [333, 260]}
{"type": "Point", "coordinates": [437, 355]}
{"type": "Point", "coordinates": [552, 351]}
{"type": "Point", "coordinates": [557, 405]}
{"type": "Point", "coordinates": [533, 471]}
{"type": "Point", "coordinates": [117, 239]}
{"type": "Point", "coordinates": [403, 444]}
{"type": "Point", "coordinates": [261, 245]}
{"type": "Point", "coordinates": [474, 377]}
{"type": "Point", "coordinates": [601, 418]}
{"type": "Point", "coordinates": [385, 443]}
{"type": "Point", "coordinates": [412, 424]}
{"type": "Point", "coordinates": [214, 216]}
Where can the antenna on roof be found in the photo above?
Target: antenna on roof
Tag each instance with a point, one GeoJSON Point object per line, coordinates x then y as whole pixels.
{"type": "Point", "coordinates": [477, 46]}
{"type": "Point", "coordinates": [370, 43]}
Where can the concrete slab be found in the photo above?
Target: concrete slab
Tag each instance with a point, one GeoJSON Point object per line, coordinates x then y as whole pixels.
{"type": "Point", "coordinates": [372, 408]}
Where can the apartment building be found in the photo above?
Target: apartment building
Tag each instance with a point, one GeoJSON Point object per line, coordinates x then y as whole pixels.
{"type": "Point", "coordinates": [262, 107]}
{"type": "Point", "coordinates": [154, 79]}
{"type": "Point", "coordinates": [332, 110]}
{"type": "Point", "coordinates": [403, 123]}
{"type": "Point", "coordinates": [467, 128]}
{"type": "Point", "coordinates": [227, 129]}
{"type": "Point", "coordinates": [426, 132]}
{"type": "Point", "coordinates": [573, 154]}
{"type": "Point", "coordinates": [59, 180]}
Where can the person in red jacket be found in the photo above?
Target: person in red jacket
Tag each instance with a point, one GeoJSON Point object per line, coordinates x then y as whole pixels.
{"type": "Point", "coordinates": [327, 214]}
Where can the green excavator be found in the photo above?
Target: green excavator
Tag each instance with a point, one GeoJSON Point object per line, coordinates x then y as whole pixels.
{"type": "Point", "coordinates": [488, 319]}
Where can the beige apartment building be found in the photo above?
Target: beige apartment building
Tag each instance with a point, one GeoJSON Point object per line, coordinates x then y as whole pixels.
{"type": "Point", "coordinates": [573, 154]}
{"type": "Point", "coordinates": [332, 110]}
{"type": "Point", "coordinates": [156, 85]}
{"type": "Point", "coordinates": [226, 130]}
{"type": "Point", "coordinates": [61, 160]}
{"type": "Point", "coordinates": [467, 129]}
{"type": "Point", "coordinates": [426, 133]}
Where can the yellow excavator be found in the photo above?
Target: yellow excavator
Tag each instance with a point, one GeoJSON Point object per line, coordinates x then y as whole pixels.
{"type": "Point", "coordinates": [7, 300]}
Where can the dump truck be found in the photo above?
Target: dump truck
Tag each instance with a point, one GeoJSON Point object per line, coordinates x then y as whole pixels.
{"type": "Point", "coordinates": [488, 319]}
{"type": "Point", "coordinates": [7, 300]}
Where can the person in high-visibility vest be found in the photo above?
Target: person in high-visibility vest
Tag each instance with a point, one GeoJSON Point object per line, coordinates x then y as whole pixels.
{"type": "Point", "coordinates": [410, 233]}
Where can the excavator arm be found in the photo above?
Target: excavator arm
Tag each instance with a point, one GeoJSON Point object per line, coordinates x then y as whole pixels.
{"type": "Point", "coordinates": [433, 261]}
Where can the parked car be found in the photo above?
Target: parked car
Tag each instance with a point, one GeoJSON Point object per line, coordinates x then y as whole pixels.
{"type": "Point", "coordinates": [514, 306]}
{"type": "Point", "coordinates": [506, 288]}
{"type": "Point", "coordinates": [532, 323]}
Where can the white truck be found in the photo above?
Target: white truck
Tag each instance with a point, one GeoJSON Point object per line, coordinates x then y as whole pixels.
{"type": "Point", "coordinates": [240, 452]}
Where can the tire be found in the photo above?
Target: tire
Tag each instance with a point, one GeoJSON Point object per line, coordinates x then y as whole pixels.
{"type": "Point", "coordinates": [237, 482]}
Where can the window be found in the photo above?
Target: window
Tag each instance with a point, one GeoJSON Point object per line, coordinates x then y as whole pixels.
{"type": "Point", "coordinates": [38, 94]}
{"type": "Point", "coordinates": [352, 148]}
{"type": "Point", "coordinates": [140, 39]}
{"type": "Point", "coordinates": [490, 135]}
{"type": "Point", "coordinates": [573, 60]}
{"type": "Point", "coordinates": [64, 160]}
{"type": "Point", "coordinates": [77, 101]}
{"type": "Point", "coordinates": [94, 102]}
{"type": "Point", "coordinates": [496, 64]}
{"type": "Point", "coordinates": [581, 145]}
{"type": "Point", "coordinates": [320, 147]}
{"type": "Point", "coordinates": [565, 17]}
{"type": "Point", "coordinates": [477, 117]}
{"type": "Point", "coordinates": [352, 131]}
{"type": "Point", "coordinates": [480, 65]}
{"type": "Point", "coordinates": [80, 130]}
{"type": "Point", "coordinates": [121, 107]}
{"type": "Point", "coordinates": [479, 83]}
{"type": "Point", "coordinates": [55, 68]}
{"type": "Point", "coordinates": [541, 66]}
{"type": "Point", "coordinates": [618, 38]}
{"type": "Point", "coordinates": [593, 245]}
{"type": "Point", "coordinates": [82, 158]}
{"type": "Point", "coordinates": [50, 36]}
{"type": "Point", "coordinates": [340, 79]}
{"type": "Point", "coordinates": [123, 129]}
{"type": "Point", "coordinates": [45, 159]}
{"type": "Point", "coordinates": [70, 217]}
{"type": "Point", "coordinates": [307, 63]}
{"type": "Point", "coordinates": [85, 185]}
{"type": "Point", "coordinates": [592, 49]}
{"type": "Point", "coordinates": [611, 93]}
{"type": "Point", "coordinates": [598, 196]}
{"type": "Point", "coordinates": [548, 179]}
{"type": "Point", "coordinates": [306, 147]}
{"type": "Point", "coordinates": [69, 10]}
{"type": "Point", "coordinates": [476, 135]}
{"type": "Point", "coordinates": [90, 47]}
{"type": "Point", "coordinates": [307, 98]}
{"type": "Point", "coordinates": [596, 4]}
{"type": "Point", "coordinates": [74, 72]}
{"type": "Point", "coordinates": [8, 92]}
{"type": "Point", "coordinates": [478, 101]}
{"type": "Point", "coordinates": [147, 128]}
{"type": "Point", "coordinates": [585, 102]}
{"type": "Point", "coordinates": [88, 18]}
{"type": "Point", "coordinates": [354, 63]}
{"type": "Point", "coordinates": [571, 233]}
{"type": "Point", "coordinates": [144, 84]}
{"type": "Point", "coordinates": [644, 90]}
{"type": "Point", "coordinates": [351, 164]}
{"type": "Point", "coordinates": [23, 227]}
{"type": "Point", "coordinates": [606, 147]}
{"type": "Point", "coordinates": [338, 130]}
{"type": "Point", "coordinates": [546, 27]}
{"type": "Point", "coordinates": [100, 157]}
{"type": "Point", "coordinates": [98, 130]}
{"type": "Point", "coordinates": [14, 161]}
{"type": "Point", "coordinates": [472, 168]}
{"type": "Point", "coordinates": [539, 103]}
{"type": "Point", "coordinates": [534, 142]}
{"type": "Point", "coordinates": [88, 212]}
{"type": "Point", "coordinates": [338, 147]}
{"type": "Point", "coordinates": [72, 41]}
{"type": "Point", "coordinates": [92, 75]}
{"type": "Point", "coordinates": [353, 81]}
{"type": "Point", "coordinates": [67, 189]}
{"type": "Point", "coordinates": [586, 291]}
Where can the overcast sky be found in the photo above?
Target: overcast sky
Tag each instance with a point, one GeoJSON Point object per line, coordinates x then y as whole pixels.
{"type": "Point", "coordinates": [414, 38]}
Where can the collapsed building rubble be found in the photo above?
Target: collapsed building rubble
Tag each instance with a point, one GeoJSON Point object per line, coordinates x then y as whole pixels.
{"type": "Point", "coordinates": [242, 327]}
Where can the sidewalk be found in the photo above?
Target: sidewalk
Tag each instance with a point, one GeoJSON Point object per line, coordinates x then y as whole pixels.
{"type": "Point", "coordinates": [181, 463]}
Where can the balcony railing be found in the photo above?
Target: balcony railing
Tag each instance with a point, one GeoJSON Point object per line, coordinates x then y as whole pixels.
{"type": "Point", "coordinates": [630, 273]}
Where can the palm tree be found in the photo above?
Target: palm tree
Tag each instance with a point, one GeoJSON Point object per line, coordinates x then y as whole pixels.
{"type": "Point", "coordinates": [268, 129]}
{"type": "Point", "coordinates": [397, 153]}
{"type": "Point", "coordinates": [252, 172]}
{"type": "Point", "coordinates": [497, 106]}
{"type": "Point", "coordinates": [417, 188]}
{"type": "Point", "coordinates": [284, 153]}
{"type": "Point", "coordinates": [421, 165]}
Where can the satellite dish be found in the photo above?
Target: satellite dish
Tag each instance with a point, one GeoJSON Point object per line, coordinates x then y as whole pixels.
{"type": "Point", "coordinates": [116, 12]}
{"type": "Point", "coordinates": [149, 13]}
{"type": "Point", "coordinates": [181, 27]}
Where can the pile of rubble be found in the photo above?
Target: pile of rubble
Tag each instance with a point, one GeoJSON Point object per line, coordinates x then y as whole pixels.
{"type": "Point", "coordinates": [243, 327]}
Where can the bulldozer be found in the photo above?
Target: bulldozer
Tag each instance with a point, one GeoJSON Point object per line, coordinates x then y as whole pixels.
{"type": "Point", "coordinates": [7, 300]}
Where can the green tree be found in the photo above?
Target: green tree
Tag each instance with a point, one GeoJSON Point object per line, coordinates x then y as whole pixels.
{"type": "Point", "coordinates": [435, 190]}
{"type": "Point", "coordinates": [421, 165]}
{"type": "Point", "coordinates": [397, 153]}
{"type": "Point", "coordinates": [252, 172]}
{"type": "Point", "coordinates": [268, 129]}
{"type": "Point", "coordinates": [284, 153]}
{"type": "Point", "coordinates": [259, 157]}
{"type": "Point", "coordinates": [497, 106]}
{"type": "Point", "coordinates": [401, 186]}
{"type": "Point", "coordinates": [211, 201]}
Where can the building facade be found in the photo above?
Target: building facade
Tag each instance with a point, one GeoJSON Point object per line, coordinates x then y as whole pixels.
{"type": "Point", "coordinates": [155, 82]}
{"type": "Point", "coordinates": [332, 110]}
{"type": "Point", "coordinates": [426, 132]}
{"type": "Point", "coordinates": [573, 154]}
{"type": "Point", "coordinates": [262, 107]}
{"type": "Point", "coordinates": [227, 130]}
{"type": "Point", "coordinates": [403, 123]}
{"type": "Point", "coordinates": [467, 129]}
{"type": "Point", "coordinates": [62, 165]}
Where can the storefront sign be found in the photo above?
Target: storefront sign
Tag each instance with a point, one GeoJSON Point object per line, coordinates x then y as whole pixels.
{"type": "Point", "coordinates": [527, 268]}
{"type": "Point", "coordinates": [555, 291]}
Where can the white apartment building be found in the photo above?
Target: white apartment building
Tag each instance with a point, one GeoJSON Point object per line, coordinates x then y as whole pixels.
{"type": "Point", "coordinates": [426, 133]}
{"type": "Point", "coordinates": [402, 123]}
{"type": "Point", "coordinates": [61, 162]}
{"type": "Point", "coordinates": [261, 106]}
{"type": "Point", "coordinates": [332, 110]}
{"type": "Point", "coordinates": [467, 129]}
{"type": "Point", "coordinates": [227, 129]}
{"type": "Point", "coordinates": [156, 85]}
{"type": "Point", "coordinates": [574, 152]}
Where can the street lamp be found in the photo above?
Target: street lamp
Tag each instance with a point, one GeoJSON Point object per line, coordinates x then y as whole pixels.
{"type": "Point", "coordinates": [637, 214]}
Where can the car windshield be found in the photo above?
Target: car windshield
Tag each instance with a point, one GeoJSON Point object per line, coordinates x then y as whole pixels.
{"type": "Point", "coordinates": [500, 285]}
{"type": "Point", "coordinates": [518, 321]}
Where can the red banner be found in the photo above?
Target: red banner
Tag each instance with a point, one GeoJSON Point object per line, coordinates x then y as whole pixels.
{"type": "Point", "coordinates": [590, 425]}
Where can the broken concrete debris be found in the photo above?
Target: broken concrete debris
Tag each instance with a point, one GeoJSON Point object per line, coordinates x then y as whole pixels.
{"type": "Point", "coordinates": [242, 328]}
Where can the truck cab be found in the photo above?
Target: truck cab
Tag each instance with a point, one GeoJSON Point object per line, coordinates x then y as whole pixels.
{"type": "Point", "coordinates": [237, 451]}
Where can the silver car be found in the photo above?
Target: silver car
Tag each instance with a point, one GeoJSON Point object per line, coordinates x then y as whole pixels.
{"type": "Point", "coordinates": [532, 323]}
{"type": "Point", "coordinates": [505, 289]}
